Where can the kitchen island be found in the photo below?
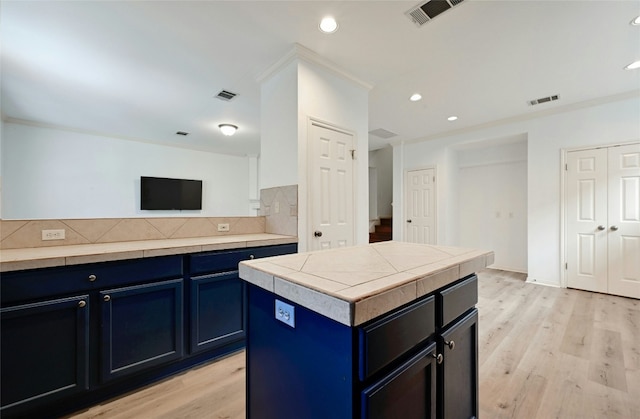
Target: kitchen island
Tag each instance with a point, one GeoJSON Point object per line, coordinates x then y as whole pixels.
{"type": "Point", "coordinates": [383, 330]}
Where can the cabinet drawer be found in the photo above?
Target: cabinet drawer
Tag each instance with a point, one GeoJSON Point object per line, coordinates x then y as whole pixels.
{"type": "Point", "coordinates": [455, 300]}
{"type": "Point", "coordinates": [50, 282]}
{"type": "Point", "coordinates": [386, 339]}
{"type": "Point", "coordinates": [221, 261]}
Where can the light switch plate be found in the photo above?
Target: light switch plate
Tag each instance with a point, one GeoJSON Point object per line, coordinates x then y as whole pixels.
{"type": "Point", "coordinates": [285, 313]}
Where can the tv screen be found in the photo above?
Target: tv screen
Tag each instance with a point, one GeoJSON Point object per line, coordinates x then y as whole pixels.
{"type": "Point", "coordinates": [157, 193]}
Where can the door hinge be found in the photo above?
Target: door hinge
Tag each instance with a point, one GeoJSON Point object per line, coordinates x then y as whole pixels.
{"type": "Point", "coordinates": [353, 154]}
{"type": "Point", "coordinates": [566, 167]}
{"type": "Point", "coordinates": [566, 266]}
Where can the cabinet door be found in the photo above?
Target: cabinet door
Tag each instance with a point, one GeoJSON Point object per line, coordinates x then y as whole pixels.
{"type": "Point", "coordinates": [407, 392]}
{"type": "Point", "coordinates": [142, 326]}
{"type": "Point", "coordinates": [458, 373]}
{"type": "Point", "coordinates": [217, 311]}
{"type": "Point", "coordinates": [44, 351]}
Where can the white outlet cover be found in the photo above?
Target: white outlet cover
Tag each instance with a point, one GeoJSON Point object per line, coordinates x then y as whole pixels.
{"type": "Point", "coordinates": [285, 313]}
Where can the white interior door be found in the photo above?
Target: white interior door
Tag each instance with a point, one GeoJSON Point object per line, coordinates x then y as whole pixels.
{"type": "Point", "coordinates": [624, 220]}
{"type": "Point", "coordinates": [603, 220]}
{"type": "Point", "coordinates": [420, 221]}
{"type": "Point", "coordinates": [587, 219]}
{"type": "Point", "coordinates": [332, 188]}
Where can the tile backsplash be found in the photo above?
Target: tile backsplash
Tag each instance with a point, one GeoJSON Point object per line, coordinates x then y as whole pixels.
{"type": "Point", "coordinates": [279, 206]}
{"type": "Point", "coordinates": [16, 234]}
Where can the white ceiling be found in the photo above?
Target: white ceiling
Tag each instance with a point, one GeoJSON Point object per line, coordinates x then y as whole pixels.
{"type": "Point", "coordinates": [143, 70]}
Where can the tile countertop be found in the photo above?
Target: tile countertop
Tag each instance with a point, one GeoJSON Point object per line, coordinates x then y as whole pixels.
{"type": "Point", "coordinates": [355, 284]}
{"type": "Point", "coordinates": [44, 257]}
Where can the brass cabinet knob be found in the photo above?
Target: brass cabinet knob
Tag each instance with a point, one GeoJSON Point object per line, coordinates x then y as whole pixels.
{"type": "Point", "coordinates": [92, 278]}
{"type": "Point", "coordinates": [107, 298]}
{"type": "Point", "coordinates": [82, 303]}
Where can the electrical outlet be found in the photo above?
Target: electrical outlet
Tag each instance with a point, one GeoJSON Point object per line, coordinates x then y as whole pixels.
{"type": "Point", "coordinates": [223, 227]}
{"type": "Point", "coordinates": [53, 234]}
{"type": "Point", "coordinates": [285, 313]}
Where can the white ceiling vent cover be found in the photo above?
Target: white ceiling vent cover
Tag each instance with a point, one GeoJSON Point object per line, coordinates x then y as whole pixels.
{"type": "Point", "coordinates": [424, 12]}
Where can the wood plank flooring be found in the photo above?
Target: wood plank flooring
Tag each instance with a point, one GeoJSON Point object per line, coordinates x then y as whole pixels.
{"type": "Point", "coordinates": [543, 352]}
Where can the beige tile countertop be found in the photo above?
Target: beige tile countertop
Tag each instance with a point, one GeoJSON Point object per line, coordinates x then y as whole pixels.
{"type": "Point", "coordinates": [355, 284]}
{"type": "Point", "coordinates": [43, 257]}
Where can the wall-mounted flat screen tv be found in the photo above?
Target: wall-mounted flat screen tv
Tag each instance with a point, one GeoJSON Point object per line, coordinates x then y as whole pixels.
{"type": "Point", "coordinates": [158, 193]}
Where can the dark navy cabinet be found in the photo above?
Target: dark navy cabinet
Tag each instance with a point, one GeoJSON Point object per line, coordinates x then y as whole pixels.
{"type": "Point", "coordinates": [44, 350]}
{"type": "Point", "coordinates": [217, 310]}
{"type": "Point", "coordinates": [141, 326]}
{"type": "Point", "coordinates": [418, 361]}
{"type": "Point", "coordinates": [74, 336]}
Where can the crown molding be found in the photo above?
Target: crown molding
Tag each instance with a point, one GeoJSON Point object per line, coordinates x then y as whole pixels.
{"type": "Point", "coordinates": [300, 52]}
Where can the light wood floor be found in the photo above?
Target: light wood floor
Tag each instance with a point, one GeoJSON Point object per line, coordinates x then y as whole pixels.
{"type": "Point", "coordinates": [544, 353]}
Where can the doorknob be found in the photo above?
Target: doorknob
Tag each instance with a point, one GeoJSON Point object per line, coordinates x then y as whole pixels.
{"type": "Point", "coordinates": [408, 221]}
{"type": "Point", "coordinates": [318, 233]}
{"type": "Point", "coordinates": [614, 228]}
{"type": "Point", "coordinates": [601, 227]}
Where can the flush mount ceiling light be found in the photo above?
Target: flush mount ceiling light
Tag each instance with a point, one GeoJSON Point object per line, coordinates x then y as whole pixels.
{"type": "Point", "coordinates": [452, 118]}
{"type": "Point", "coordinates": [636, 21]}
{"type": "Point", "coordinates": [328, 25]}
{"type": "Point", "coordinates": [415, 97]}
{"type": "Point", "coordinates": [228, 129]}
{"type": "Point", "coordinates": [633, 66]}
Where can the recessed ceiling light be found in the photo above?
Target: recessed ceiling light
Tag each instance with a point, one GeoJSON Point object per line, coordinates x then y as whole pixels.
{"type": "Point", "coordinates": [633, 66]}
{"type": "Point", "coordinates": [415, 97]}
{"type": "Point", "coordinates": [328, 25]}
{"type": "Point", "coordinates": [452, 118]}
{"type": "Point", "coordinates": [228, 129]}
{"type": "Point", "coordinates": [636, 21]}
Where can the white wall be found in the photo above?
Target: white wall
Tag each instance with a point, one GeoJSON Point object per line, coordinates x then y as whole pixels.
{"type": "Point", "coordinates": [293, 94]}
{"type": "Point", "coordinates": [279, 129]}
{"type": "Point", "coordinates": [492, 197]}
{"type": "Point", "coordinates": [53, 173]}
{"type": "Point", "coordinates": [607, 123]}
{"type": "Point", "coordinates": [326, 96]}
{"type": "Point", "coordinates": [382, 161]}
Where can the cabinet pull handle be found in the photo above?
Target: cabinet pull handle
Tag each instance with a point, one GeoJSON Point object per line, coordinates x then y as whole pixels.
{"type": "Point", "coordinates": [107, 298]}
{"type": "Point", "coordinates": [92, 278]}
{"type": "Point", "coordinates": [82, 303]}
{"type": "Point", "coordinates": [251, 257]}
{"type": "Point", "coordinates": [438, 358]}
{"type": "Point", "coordinates": [451, 344]}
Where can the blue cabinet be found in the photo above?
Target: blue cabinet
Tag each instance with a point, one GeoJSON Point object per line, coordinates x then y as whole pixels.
{"type": "Point", "coordinates": [74, 336]}
{"type": "Point", "coordinates": [141, 327]}
{"type": "Point", "coordinates": [418, 361]}
{"type": "Point", "coordinates": [217, 311]}
{"type": "Point", "coordinates": [44, 351]}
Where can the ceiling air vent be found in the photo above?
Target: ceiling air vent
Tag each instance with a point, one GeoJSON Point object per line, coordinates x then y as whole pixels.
{"type": "Point", "coordinates": [382, 133]}
{"type": "Point", "coordinates": [424, 12]}
{"type": "Point", "coordinates": [543, 100]}
{"type": "Point", "coordinates": [226, 95]}
{"type": "Point", "coordinates": [183, 133]}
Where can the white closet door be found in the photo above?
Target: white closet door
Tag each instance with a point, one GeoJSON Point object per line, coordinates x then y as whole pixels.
{"type": "Point", "coordinates": [421, 206]}
{"type": "Point", "coordinates": [623, 231]}
{"type": "Point", "coordinates": [587, 219]}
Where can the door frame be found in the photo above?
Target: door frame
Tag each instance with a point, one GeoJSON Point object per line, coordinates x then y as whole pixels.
{"type": "Point", "coordinates": [308, 228]}
{"type": "Point", "coordinates": [405, 197]}
{"type": "Point", "coordinates": [563, 202]}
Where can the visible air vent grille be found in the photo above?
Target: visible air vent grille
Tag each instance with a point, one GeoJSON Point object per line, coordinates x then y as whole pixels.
{"type": "Point", "coordinates": [543, 100]}
{"type": "Point", "coordinates": [183, 133]}
{"type": "Point", "coordinates": [226, 95]}
{"type": "Point", "coordinates": [424, 12]}
{"type": "Point", "coordinates": [382, 133]}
